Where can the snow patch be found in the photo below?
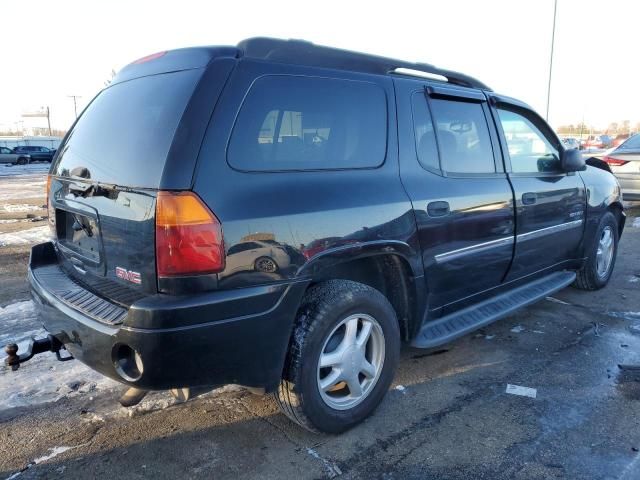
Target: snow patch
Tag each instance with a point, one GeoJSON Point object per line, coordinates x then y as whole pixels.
{"type": "Point", "coordinates": [54, 452]}
{"type": "Point", "coordinates": [625, 315]}
{"type": "Point", "coordinates": [43, 379]}
{"type": "Point", "coordinates": [556, 300]}
{"type": "Point", "coordinates": [636, 222]}
{"type": "Point", "coordinates": [17, 170]}
{"type": "Point", "coordinates": [331, 468]}
{"type": "Point", "coordinates": [517, 329]}
{"type": "Point", "coordinates": [20, 207]}
{"type": "Point", "coordinates": [31, 236]}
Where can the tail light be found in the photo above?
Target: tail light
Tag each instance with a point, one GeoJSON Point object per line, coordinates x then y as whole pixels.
{"type": "Point", "coordinates": [615, 162]}
{"type": "Point", "coordinates": [188, 236]}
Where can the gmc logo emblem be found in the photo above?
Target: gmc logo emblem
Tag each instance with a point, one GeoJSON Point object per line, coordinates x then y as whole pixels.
{"type": "Point", "coordinates": [128, 275]}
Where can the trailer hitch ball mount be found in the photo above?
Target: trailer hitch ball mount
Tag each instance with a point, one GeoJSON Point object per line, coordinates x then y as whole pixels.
{"type": "Point", "coordinates": [35, 346]}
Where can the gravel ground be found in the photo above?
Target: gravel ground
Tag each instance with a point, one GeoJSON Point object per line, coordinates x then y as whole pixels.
{"type": "Point", "coordinates": [447, 415]}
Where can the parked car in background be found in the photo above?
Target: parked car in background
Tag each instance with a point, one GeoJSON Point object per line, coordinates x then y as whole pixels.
{"type": "Point", "coordinates": [624, 162]}
{"type": "Point", "coordinates": [8, 156]}
{"type": "Point", "coordinates": [597, 141]}
{"type": "Point", "coordinates": [256, 255]}
{"type": "Point", "coordinates": [619, 139]}
{"type": "Point", "coordinates": [37, 153]}
{"type": "Point", "coordinates": [571, 142]}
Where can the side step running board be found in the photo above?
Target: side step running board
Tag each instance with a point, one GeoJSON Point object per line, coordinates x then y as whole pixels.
{"type": "Point", "coordinates": [457, 324]}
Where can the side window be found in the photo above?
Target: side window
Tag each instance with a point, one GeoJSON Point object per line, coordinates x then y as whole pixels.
{"type": "Point", "coordinates": [530, 151]}
{"type": "Point", "coordinates": [306, 123]}
{"type": "Point", "coordinates": [463, 137]}
{"type": "Point", "coordinates": [4, 150]}
{"type": "Point", "coordinates": [425, 138]}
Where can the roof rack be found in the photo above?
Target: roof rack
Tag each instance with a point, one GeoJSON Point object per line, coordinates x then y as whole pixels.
{"type": "Point", "coordinates": [306, 53]}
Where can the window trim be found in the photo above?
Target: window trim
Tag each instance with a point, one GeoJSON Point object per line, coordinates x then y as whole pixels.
{"type": "Point", "coordinates": [545, 130]}
{"type": "Point", "coordinates": [304, 170]}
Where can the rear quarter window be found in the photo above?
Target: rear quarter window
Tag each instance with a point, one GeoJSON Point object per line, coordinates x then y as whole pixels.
{"type": "Point", "coordinates": [291, 122]}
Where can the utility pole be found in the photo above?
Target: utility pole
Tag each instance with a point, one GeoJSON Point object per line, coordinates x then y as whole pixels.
{"type": "Point", "coordinates": [75, 105]}
{"type": "Point", "coordinates": [48, 120]}
{"type": "Point", "coordinates": [553, 41]}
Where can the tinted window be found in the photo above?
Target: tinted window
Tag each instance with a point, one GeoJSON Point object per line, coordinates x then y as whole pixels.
{"type": "Point", "coordinates": [426, 147]}
{"type": "Point", "coordinates": [4, 150]}
{"type": "Point", "coordinates": [124, 135]}
{"type": "Point", "coordinates": [463, 137]}
{"type": "Point", "coordinates": [297, 123]}
{"type": "Point", "coordinates": [530, 151]}
{"type": "Point", "coordinates": [633, 142]}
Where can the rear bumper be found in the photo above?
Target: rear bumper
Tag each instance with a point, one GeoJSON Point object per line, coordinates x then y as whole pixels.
{"type": "Point", "coordinates": [237, 336]}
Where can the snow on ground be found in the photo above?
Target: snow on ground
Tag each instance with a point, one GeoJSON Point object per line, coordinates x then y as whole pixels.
{"type": "Point", "coordinates": [636, 222]}
{"type": "Point", "coordinates": [25, 237]}
{"type": "Point", "coordinates": [25, 181]}
{"type": "Point", "coordinates": [20, 207]}
{"type": "Point", "coordinates": [25, 186]}
{"type": "Point", "coordinates": [7, 170]}
{"type": "Point", "coordinates": [42, 379]}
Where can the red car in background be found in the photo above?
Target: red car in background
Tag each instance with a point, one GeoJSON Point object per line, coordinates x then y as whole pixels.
{"type": "Point", "coordinates": [597, 141]}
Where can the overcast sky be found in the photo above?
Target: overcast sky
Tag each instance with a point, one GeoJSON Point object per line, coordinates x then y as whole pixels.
{"type": "Point", "coordinates": [57, 48]}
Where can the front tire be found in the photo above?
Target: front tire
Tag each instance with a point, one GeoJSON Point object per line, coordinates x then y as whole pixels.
{"type": "Point", "coordinates": [601, 256]}
{"type": "Point", "coordinates": [342, 357]}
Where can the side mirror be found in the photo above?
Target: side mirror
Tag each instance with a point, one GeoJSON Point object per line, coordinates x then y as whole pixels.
{"type": "Point", "coordinates": [572, 160]}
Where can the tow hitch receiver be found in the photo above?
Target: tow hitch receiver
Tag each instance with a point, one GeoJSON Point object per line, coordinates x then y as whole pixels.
{"type": "Point", "coordinates": [36, 346]}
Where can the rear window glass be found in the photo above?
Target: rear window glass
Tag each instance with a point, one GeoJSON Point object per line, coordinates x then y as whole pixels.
{"type": "Point", "coordinates": [124, 135]}
{"type": "Point", "coordinates": [306, 123]}
{"type": "Point", "coordinates": [632, 142]}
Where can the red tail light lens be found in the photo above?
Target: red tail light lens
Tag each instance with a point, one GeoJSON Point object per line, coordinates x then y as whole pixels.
{"type": "Point", "coordinates": [615, 162]}
{"type": "Point", "coordinates": [148, 58]}
{"type": "Point", "coordinates": [188, 236]}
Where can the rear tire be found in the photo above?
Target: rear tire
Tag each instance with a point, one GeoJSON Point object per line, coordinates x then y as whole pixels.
{"type": "Point", "coordinates": [22, 161]}
{"type": "Point", "coordinates": [334, 398]}
{"type": "Point", "coordinates": [601, 256]}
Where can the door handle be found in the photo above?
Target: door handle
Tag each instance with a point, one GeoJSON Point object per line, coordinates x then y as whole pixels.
{"type": "Point", "coordinates": [438, 209]}
{"type": "Point", "coordinates": [529, 198]}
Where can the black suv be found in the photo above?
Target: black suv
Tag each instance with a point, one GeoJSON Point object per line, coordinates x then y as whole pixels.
{"type": "Point", "coordinates": [369, 202]}
{"type": "Point", "coordinates": [38, 154]}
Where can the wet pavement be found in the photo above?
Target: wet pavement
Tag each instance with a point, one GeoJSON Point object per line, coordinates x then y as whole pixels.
{"type": "Point", "coordinates": [447, 415]}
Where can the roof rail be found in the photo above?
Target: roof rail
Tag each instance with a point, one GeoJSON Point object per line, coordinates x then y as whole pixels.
{"type": "Point", "coordinates": [306, 53]}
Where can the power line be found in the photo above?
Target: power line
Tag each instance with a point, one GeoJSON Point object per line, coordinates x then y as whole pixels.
{"type": "Point", "coordinates": [75, 105]}
{"type": "Point", "coordinates": [553, 41]}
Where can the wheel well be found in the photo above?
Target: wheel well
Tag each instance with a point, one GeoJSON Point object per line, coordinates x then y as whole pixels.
{"type": "Point", "coordinates": [616, 209]}
{"type": "Point", "coordinates": [389, 274]}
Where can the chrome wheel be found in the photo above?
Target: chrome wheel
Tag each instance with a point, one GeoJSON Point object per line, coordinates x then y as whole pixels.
{"type": "Point", "coordinates": [604, 254]}
{"type": "Point", "coordinates": [351, 361]}
{"type": "Point", "coordinates": [266, 265]}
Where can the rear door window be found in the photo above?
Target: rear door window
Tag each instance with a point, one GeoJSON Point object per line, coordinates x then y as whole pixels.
{"type": "Point", "coordinates": [291, 122]}
{"type": "Point", "coordinates": [463, 137]}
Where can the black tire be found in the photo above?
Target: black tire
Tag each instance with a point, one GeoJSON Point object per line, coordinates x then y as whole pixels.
{"type": "Point", "coordinates": [22, 161]}
{"type": "Point", "coordinates": [323, 308]}
{"type": "Point", "coordinates": [588, 277]}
